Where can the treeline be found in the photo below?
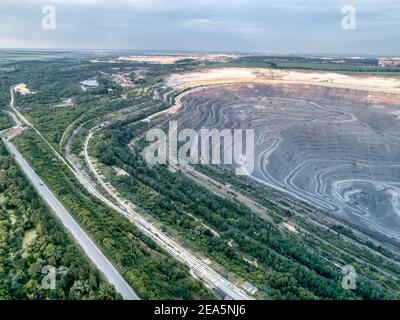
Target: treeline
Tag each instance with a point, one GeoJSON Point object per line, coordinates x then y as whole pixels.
{"type": "Point", "coordinates": [31, 239]}
{"type": "Point", "coordinates": [283, 266]}
{"type": "Point", "coordinates": [340, 237]}
{"type": "Point", "coordinates": [151, 272]}
{"type": "Point", "coordinates": [5, 121]}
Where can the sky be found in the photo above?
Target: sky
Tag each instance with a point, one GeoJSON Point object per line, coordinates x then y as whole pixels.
{"type": "Point", "coordinates": [265, 26]}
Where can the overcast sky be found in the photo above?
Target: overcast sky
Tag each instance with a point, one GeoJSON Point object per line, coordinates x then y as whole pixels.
{"type": "Point", "coordinates": [271, 26]}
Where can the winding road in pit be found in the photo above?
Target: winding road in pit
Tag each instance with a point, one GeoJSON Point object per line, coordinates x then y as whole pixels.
{"type": "Point", "coordinates": [303, 153]}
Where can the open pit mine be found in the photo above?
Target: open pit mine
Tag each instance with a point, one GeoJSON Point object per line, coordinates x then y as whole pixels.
{"type": "Point", "coordinates": [330, 140]}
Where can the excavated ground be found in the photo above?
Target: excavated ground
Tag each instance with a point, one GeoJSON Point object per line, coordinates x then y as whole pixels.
{"type": "Point", "coordinates": [336, 148]}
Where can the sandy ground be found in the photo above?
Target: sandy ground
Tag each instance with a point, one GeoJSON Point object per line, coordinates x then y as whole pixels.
{"type": "Point", "coordinates": [22, 89]}
{"type": "Point", "coordinates": [120, 172]}
{"type": "Point", "coordinates": [12, 132]}
{"type": "Point", "coordinates": [171, 59]}
{"type": "Point", "coordinates": [290, 227]}
{"type": "Point", "coordinates": [330, 147]}
{"type": "Point", "coordinates": [258, 75]}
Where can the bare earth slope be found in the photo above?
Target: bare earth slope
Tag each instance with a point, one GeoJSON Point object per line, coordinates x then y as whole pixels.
{"type": "Point", "coordinates": [331, 140]}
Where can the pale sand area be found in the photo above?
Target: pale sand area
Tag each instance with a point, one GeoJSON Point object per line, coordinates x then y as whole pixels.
{"type": "Point", "coordinates": [269, 76]}
{"type": "Point", "coordinates": [172, 59]}
{"type": "Point", "coordinates": [22, 89]}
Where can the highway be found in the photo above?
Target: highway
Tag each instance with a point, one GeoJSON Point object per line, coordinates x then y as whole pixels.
{"type": "Point", "coordinates": [84, 241]}
{"type": "Point", "coordinates": [197, 266]}
{"type": "Point", "coordinates": [88, 246]}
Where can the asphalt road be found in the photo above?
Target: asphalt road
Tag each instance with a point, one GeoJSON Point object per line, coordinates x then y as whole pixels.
{"type": "Point", "coordinates": [198, 267]}
{"type": "Point", "coordinates": [88, 246]}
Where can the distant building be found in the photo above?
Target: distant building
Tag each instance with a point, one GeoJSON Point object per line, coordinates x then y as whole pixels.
{"type": "Point", "coordinates": [225, 291]}
{"type": "Point", "coordinates": [395, 62]}
{"type": "Point", "coordinates": [249, 287]}
{"type": "Point", "coordinates": [90, 83]}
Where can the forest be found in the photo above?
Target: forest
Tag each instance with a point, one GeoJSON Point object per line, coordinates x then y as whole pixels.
{"type": "Point", "coordinates": [282, 265]}
{"type": "Point", "coordinates": [31, 239]}
{"type": "Point", "coordinates": [149, 270]}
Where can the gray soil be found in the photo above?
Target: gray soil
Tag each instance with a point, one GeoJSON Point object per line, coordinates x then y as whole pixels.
{"type": "Point", "coordinates": [338, 149]}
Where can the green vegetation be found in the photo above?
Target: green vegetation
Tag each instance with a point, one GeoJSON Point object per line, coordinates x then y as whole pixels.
{"type": "Point", "coordinates": [343, 65]}
{"type": "Point", "coordinates": [285, 266]}
{"type": "Point", "coordinates": [5, 121]}
{"type": "Point", "coordinates": [151, 273]}
{"type": "Point", "coordinates": [31, 238]}
{"type": "Point", "coordinates": [338, 242]}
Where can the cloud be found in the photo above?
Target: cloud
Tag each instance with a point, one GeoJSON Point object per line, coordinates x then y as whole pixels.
{"type": "Point", "coordinates": [279, 25]}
